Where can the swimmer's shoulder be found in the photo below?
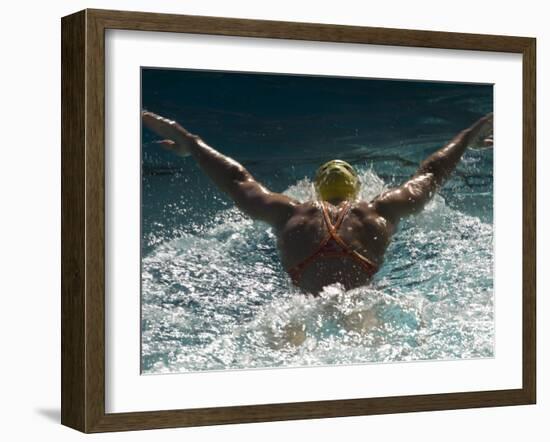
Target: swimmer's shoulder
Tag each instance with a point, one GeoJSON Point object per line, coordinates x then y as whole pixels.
{"type": "Point", "coordinates": [363, 208]}
{"type": "Point", "coordinates": [306, 211]}
{"type": "Point", "coordinates": [304, 216]}
{"type": "Point", "coordinates": [307, 208]}
{"type": "Point", "coordinates": [368, 215]}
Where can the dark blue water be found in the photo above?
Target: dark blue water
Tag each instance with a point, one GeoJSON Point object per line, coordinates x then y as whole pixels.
{"type": "Point", "coordinates": [214, 295]}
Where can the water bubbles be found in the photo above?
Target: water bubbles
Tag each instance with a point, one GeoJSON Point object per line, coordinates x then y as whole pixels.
{"type": "Point", "coordinates": [216, 297]}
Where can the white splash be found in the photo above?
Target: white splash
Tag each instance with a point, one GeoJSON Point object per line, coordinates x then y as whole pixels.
{"type": "Point", "coordinates": [220, 299]}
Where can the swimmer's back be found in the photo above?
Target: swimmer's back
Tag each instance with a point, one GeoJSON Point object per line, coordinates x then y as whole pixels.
{"type": "Point", "coordinates": [362, 229]}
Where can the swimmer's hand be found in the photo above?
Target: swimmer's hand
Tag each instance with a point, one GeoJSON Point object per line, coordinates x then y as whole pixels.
{"type": "Point", "coordinates": [232, 178]}
{"type": "Point", "coordinates": [482, 133]}
{"type": "Point", "coordinates": [175, 138]}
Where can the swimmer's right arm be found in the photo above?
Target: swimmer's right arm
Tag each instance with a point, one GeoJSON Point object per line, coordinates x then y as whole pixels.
{"type": "Point", "coordinates": [228, 175]}
{"type": "Point", "coordinates": [413, 195]}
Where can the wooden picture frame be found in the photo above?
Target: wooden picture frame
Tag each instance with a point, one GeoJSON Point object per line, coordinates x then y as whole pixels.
{"type": "Point", "coordinates": [83, 220]}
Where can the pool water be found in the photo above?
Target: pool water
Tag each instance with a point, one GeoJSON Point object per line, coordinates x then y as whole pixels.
{"type": "Point", "coordinates": [214, 294]}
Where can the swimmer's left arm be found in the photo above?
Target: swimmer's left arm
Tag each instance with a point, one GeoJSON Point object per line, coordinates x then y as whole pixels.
{"type": "Point", "coordinates": [414, 194]}
{"type": "Point", "coordinates": [227, 174]}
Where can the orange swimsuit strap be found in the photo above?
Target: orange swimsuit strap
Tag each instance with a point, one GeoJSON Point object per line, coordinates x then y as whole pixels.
{"type": "Point", "coordinates": [332, 229]}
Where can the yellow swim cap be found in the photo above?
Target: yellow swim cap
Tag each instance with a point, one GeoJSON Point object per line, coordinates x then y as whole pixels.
{"type": "Point", "coordinates": [336, 180]}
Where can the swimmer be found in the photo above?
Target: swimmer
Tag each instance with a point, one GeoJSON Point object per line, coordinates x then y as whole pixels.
{"type": "Point", "coordinates": [336, 238]}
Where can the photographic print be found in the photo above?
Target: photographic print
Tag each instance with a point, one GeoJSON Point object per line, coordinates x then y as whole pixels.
{"type": "Point", "coordinates": [299, 220]}
{"type": "Point", "coordinates": [254, 203]}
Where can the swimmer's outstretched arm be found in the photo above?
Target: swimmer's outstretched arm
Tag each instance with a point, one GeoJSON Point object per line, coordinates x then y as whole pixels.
{"type": "Point", "coordinates": [227, 174]}
{"type": "Point", "coordinates": [413, 195]}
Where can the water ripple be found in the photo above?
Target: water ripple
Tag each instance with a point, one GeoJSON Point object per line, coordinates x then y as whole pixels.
{"type": "Point", "coordinates": [217, 298]}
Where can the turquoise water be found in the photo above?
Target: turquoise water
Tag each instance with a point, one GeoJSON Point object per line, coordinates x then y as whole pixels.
{"type": "Point", "coordinates": [214, 294]}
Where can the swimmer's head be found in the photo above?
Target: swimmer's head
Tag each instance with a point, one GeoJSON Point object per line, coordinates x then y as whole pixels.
{"type": "Point", "coordinates": [336, 180]}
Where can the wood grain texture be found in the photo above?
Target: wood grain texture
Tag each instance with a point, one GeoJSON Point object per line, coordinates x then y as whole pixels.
{"type": "Point", "coordinates": [73, 258]}
{"type": "Point", "coordinates": [529, 221]}
{"type": "Point", "coordinates": [83, 220]}
{"type": "Point", "coordinates": [143, 21]}
{"type": "Point", "coordinates": [95, 221]}
{"type": "Point", "coordinates": [308, 410]}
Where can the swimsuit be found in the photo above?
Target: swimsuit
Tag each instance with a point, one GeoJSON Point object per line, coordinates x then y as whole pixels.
{"type": "Point", "coordinates": [333, 246]}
